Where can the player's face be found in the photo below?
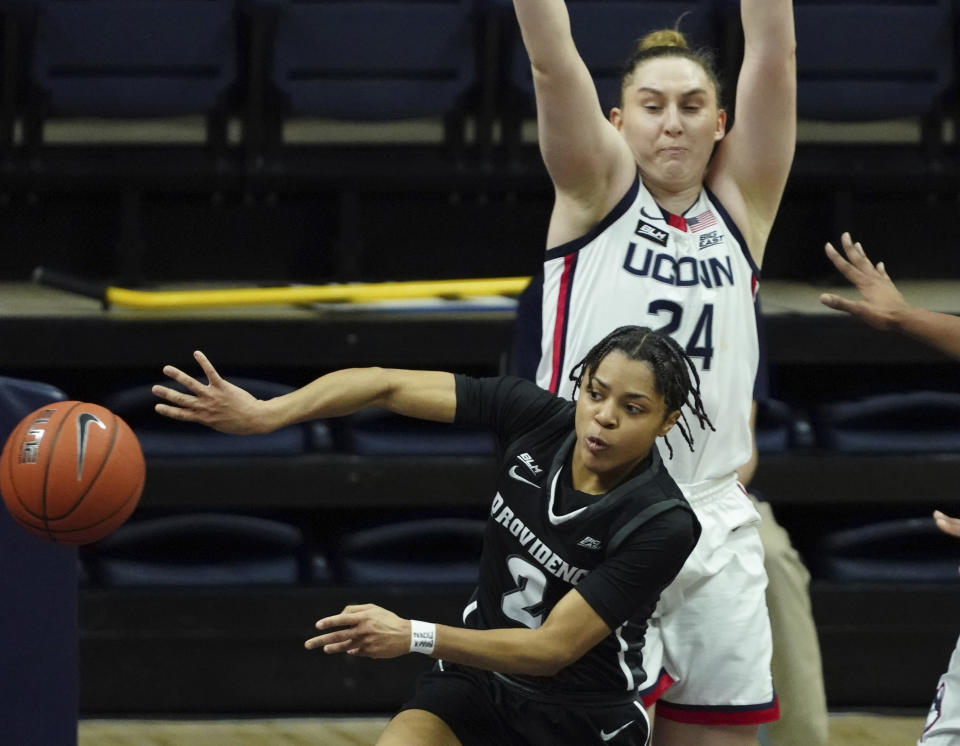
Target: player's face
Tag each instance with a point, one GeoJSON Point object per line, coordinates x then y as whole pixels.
{"type": "Point", "coordinates": [670, 120]}
{"type": "Point", "coordinates": [619, 417]}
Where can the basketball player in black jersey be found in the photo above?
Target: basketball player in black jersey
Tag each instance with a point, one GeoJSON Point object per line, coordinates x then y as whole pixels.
{"type": "Point", "coordinates": [585, 530]}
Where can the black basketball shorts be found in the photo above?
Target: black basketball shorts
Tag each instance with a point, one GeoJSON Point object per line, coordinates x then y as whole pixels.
{"type": "Point", "coordinates": [485, 709]}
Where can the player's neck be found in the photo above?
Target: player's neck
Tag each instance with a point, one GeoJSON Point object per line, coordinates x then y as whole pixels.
{"type": "Point", "coordinates": [676, 200]}
{"type": "Point", "coordinates": [584, 479]}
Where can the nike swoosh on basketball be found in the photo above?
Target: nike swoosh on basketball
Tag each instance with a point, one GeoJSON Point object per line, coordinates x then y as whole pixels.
{"type": "Point", "coordinates": [84, 421]}
{"type": "Point", "coordinates": [613, 734]}
{"type": "Point", "coordinates": [513, 473]}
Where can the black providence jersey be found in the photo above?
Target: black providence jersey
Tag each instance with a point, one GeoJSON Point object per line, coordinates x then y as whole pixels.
{"type": "Point", "coordinates": [619, 550]}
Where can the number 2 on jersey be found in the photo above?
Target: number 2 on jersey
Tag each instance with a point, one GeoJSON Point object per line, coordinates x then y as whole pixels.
{"type": "Point", "coordinates": [524, 603]}
{"type": "Point", "coordinates": [700, 343]}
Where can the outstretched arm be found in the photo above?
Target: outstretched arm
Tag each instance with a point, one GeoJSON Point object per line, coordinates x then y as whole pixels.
{"type": "Point", "coordinates": [571, 629]}
{"type": "Point", "coordinates": [755, 157]}
{"type": "Point", "coordinates": [882, 306]}
{"type": "Point", "coordinates": [429, 395]}
{"type": "Point", "coordinates": [581, 149]}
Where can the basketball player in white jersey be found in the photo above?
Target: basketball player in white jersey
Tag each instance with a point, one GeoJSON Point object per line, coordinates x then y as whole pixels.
{"type": "Point", "coordinates": [883, 307]}
{"type": "Point", "coordinates": [661, 218]}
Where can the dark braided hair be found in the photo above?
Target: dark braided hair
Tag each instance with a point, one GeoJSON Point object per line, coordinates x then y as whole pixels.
{"type": "Point", "coordinates": [674, 374]}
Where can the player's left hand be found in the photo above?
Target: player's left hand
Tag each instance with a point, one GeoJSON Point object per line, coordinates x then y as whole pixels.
{"type": "Point", "coordinates": [366, 630]}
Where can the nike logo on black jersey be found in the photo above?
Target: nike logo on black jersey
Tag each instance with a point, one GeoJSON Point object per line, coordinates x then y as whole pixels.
{"type": "Point", "coordinates": [613, 734]}
{"type": "Point", "coordinates": [513, 473]}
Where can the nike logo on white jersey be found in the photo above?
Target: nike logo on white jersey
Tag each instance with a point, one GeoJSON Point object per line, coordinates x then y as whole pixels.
{"type": "Point", "coordinates": [513, 473]}
{"type": "Point", "coordinates": [613, 734]}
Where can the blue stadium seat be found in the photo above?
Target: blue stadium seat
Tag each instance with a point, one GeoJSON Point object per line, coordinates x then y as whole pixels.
{"type": "Point", "coordinates": [373, 432]}
{"type": "Point", "coordinates": [374, 59]}
{"type": "Point", "coordinates": [38, 627]}
{"type": "Point", "coordinates": [19, 397]}
{"type": "Point", "coordinates": [430, 551]}
{"type": "Point", "coordinates": [885, 63]}
{"type": "Point", "coordinates": [133, 58]}
{"type": "Point", "coordinates": [917, 422]}
{"type": "Point", "coordinates": [141, 60]}
{"type": "Point", "coordinates": [775, 426]}
{"type": "Point", "coordinates": [872, 59]}
{"type": "Point", "coordinates": [908, 550]}
{"type": "Point", "coordinates": [200, 549]}
{"type": "Point", "coordinates": [162, 437]}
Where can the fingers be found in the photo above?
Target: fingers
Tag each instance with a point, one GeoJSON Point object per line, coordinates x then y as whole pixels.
{"type": "Point", "coordinates": [347, 618]}
{"type": "Point", "coordinates": [173, 396]}
{"type": "Point", "coordinates": [854, 274]}
{"type": "Point", "coordinates": [855, 253]}
{"type": "Point", "coordinates": [207, 367]}
{"type": "Point", "coordinates": [184, 379]}
{"type": "Point", "coordinates": [333, 642]}
{"type": "Point", "coordinates": [947, 524]}
{"type": "Point", "coordinates": [843, 266]}
{"type": "Point", "coordinates": [180, 407]}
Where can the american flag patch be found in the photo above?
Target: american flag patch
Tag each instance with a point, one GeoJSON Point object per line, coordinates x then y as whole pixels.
{"type": "Point", "coordinates": [702, 221]}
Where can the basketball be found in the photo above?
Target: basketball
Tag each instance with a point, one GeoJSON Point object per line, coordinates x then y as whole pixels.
{"type": "Point", "coordinates": [71, 472]}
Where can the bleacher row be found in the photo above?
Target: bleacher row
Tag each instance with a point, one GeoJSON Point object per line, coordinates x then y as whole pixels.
{"type": "Point", "coordinates": [210, 548]}
{"type": "Point", "coordinates": [349, 102]}
{"type": "Point", "coordinates": [253, 68]}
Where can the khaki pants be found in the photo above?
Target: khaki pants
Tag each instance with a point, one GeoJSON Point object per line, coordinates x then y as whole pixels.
{"type": "Point", "coordinates": [797, 673]}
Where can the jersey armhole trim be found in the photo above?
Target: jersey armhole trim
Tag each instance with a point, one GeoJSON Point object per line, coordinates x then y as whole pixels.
{"type": "Point", "coordinates": [734, 229]}
{"type": "Point", "coordinates": [615, 214]}
{"type": "Point", "coordinates": [639, 519]}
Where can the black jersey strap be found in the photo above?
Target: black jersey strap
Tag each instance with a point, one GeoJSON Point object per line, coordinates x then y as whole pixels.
{"type": "Point", "coordinates": [642, 517]}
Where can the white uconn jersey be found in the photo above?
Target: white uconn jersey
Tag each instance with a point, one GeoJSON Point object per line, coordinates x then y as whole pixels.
{"type": "Point", "coordinates": [689, 276]}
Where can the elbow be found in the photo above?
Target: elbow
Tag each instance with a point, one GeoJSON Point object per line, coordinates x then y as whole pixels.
{"type": "Point", "coordinates": [542, 667]}
{"type": "Point", "coordinates": [549, 659]}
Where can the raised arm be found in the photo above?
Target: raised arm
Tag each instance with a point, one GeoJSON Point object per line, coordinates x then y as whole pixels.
{"type": "Point", "coordinates": [581, 149]}
{"type": "Point", "coordinates": [219, 404]}
{"type": "Point", "coordinates": [755, 157]}
{"type": "Point", "coordinates": [881, 304]}
{"type": "Point", "coordinates": [571, 629]}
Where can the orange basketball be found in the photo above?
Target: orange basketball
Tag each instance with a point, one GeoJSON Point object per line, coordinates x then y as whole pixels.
{"type": "Point", "coordinates": [71, 472]}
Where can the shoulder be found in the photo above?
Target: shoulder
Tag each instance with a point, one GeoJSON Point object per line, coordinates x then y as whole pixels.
{"type": "Point", "coordinates": [509, 402]}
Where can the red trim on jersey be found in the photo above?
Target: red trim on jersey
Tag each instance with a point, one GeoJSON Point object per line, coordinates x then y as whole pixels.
{"type": "Point", "coordinates": [720, 715]}
{"type": "Point", "coordinates": [664, 682]}
{"type": "Point", "coordinates": [677, 221]}
{"type": "Point", "coordinates": [560, 324]}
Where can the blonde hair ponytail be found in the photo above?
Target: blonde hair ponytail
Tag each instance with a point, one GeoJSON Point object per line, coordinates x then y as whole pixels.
{"type": "Point", "coordinates": [667, 37]}
{"type": "Point", "coordinates": [669, 42]}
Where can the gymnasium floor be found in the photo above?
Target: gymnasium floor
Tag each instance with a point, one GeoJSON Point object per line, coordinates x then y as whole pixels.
{"type": "Point", "coordinates": [846, 729]}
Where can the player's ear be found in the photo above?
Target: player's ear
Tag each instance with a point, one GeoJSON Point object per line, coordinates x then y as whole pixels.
{"type": "Point", "coordinates": [721, 125]}
{"type": "Point", "coordinates": [669, 421]}
{"type": "Point", "coordinates": [616, 117]}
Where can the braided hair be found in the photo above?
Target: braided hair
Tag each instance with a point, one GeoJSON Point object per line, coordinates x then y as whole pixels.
{"type": "Point", "coordinates": [674, 374]}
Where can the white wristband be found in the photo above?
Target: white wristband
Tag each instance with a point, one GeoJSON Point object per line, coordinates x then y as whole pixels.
{"type": "Point", "coordinates": [423, 637]}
